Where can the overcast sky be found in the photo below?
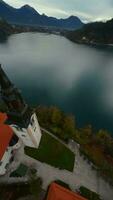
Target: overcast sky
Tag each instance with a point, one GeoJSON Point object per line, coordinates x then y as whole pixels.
{"type": "Point", "coordinates": [86, 10]}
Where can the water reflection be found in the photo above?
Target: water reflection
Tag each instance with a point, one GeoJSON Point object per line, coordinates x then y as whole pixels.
{"type": "Point", "coordinates": [51, 70]}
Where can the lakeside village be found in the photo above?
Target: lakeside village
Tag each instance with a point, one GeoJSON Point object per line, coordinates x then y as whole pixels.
{"type": "Point", "coordinates": [36, 163]}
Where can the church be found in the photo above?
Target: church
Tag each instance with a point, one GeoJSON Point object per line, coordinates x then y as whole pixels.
{"type": "Point", "coordinates": [19, 123]}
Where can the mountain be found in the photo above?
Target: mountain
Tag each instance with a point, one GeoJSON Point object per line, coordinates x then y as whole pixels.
{"type": "Point", "coordinates": [27, 15]}
{"type": "Point", "coordinates": [94, 33]}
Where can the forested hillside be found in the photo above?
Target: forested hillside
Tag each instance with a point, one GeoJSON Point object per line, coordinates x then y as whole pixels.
{"type": "Point", "coordinates": [98, 32]}
{"type": "Point", "coordinates": [5, 30]}
{"type": "Point", "coordinates": [96, 146]}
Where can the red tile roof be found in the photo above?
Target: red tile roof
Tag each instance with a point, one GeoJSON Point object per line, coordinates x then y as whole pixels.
{"type": "Point", "coordinates": [6, 134]}
{"type": "Point", "coordinates": [57, 192]}
{"type": "Point", "coordinates": [3, 117]}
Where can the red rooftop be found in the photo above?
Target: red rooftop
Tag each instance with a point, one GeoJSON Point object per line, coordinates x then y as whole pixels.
{"type": "Point", "coordinates": [57, 192]}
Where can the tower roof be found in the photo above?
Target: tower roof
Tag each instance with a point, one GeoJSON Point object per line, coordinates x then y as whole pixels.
{"type": "Point", "coordinates": [3, 117]}
{"type": "Point", "coordinates": [58, 192]}
{"type": "Point", "coordinates": [6, 134]}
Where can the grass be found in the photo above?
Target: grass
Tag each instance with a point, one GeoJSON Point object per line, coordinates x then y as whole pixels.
{"type": "Point", "coordinates": [52, 152]}
{"type": "Point", "coordinates": [85, 192]}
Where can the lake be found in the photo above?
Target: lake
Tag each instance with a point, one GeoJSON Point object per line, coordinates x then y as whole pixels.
{"type": "Point", "coordinates": [51, 70]}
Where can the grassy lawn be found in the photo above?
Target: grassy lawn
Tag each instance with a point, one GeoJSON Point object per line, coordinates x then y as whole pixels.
{"type": "Point", "coordinates": [53, 153]}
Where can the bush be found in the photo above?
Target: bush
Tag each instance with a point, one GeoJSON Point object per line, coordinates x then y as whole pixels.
{"type": "Point", "coordinates": [85, 192]}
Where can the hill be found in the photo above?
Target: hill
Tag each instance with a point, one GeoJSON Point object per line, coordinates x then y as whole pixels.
{"type": "Point", "coordinates": [5, 30]}
{"type": "Point", "coordinates": [27, 15]}
{"type": "Point", "coordinates": [94, 33]}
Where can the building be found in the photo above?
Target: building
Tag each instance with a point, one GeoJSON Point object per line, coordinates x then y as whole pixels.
{"type": "Point", "coordinates": [8, 143]}
{"type": "Point", "coordinates": [57, 192]}
{"type": "Point", "coordinates": [21, 118]}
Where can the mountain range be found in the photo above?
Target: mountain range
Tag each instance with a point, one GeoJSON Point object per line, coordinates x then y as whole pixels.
{"type": "Point", "coordinates": [27, 15]}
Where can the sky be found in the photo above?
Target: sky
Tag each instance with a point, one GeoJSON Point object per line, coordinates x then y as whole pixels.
{"type": "Point", "coordinates": [86, 10]}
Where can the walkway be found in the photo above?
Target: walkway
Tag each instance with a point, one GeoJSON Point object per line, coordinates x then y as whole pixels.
{"type": "Point", "coordinates": [82, 174]}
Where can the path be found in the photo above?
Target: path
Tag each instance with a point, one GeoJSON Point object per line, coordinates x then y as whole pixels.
{"type": "Point", "coordinates": [82, 174]}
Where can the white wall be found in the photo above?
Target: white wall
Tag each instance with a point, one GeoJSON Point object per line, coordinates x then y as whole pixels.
{"type": "Point", "coordinates": [32, 135]}
{"type": "Point", "coordinates": [34, 130]}
{"type": "Point", "coordinates": [5, 160]}
{"type": "Point", "coordinates": [23, 135]}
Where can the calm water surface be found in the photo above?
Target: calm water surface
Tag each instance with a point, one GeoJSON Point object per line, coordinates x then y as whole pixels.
{"type": "Point", "coordinates": [51, 70]}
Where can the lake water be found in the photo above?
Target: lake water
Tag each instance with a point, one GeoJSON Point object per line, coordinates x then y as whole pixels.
{"type": "Point", "coordinates": [51, 70]}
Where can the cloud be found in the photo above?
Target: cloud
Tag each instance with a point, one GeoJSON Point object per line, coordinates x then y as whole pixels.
{"type": "Point", "coordinates": [111, 2]}
{"type": "Point", "coordinates": [88, 10]}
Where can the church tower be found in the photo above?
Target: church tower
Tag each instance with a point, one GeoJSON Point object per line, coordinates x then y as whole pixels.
{"type": "Point", "coordinates": [21, 117]}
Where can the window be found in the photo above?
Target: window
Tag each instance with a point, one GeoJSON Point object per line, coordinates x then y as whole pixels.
{"type": "Point", "coordinates": [6, 166]}
{"type": "Point", "coordinates": [15, 126]}
{"type": "Point", "coordinates": [23, 135]}
{"type": "Point", "coordinates": [19, 128]}
{"type": "Point", "coordinates": [32, 122]}
{"type": "Point", "coordinates": [34, 129]}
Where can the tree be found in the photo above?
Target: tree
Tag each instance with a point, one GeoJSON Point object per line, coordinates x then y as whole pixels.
{"type": "Point", "coordinates": [104, 139]}
{"type": "Point", "coordinates": [55, 115]}
{"type": "Point", "coordinates": [68, 126]}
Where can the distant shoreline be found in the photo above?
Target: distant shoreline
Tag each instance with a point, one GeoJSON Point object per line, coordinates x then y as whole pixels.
{"type": "Point", "coordinates": [92, 44]}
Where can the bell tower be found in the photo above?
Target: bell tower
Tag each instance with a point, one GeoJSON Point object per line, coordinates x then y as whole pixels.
{"type": "Point", "coordinates": [21, 117]}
